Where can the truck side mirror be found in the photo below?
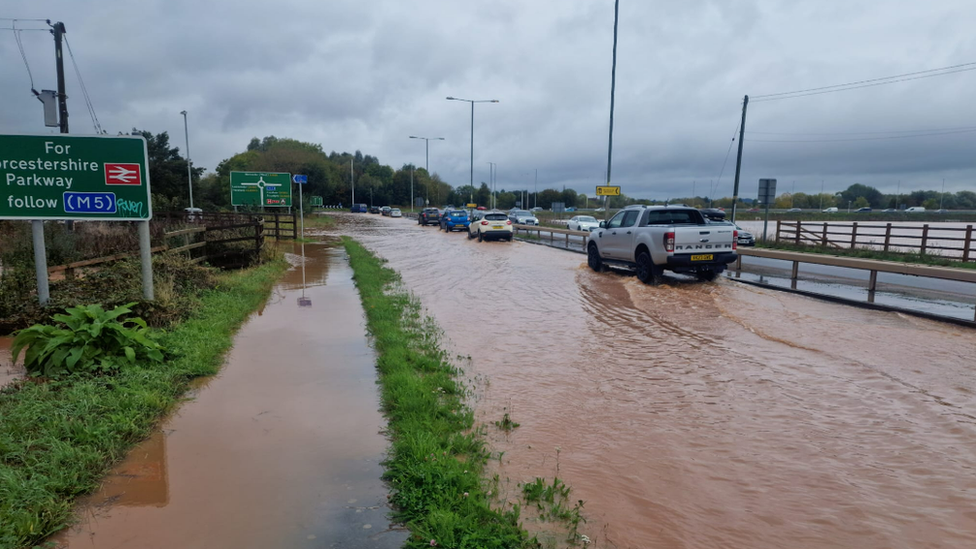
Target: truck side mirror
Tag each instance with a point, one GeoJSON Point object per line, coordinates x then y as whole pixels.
{"type": "Point", "coordinates": [603, 224]}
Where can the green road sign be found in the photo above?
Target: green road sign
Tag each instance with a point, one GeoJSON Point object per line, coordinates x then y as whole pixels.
{"type": "Point", "coordinates": [74, 177]}
{"type": "Point", "coordinates": [271, 190]}
{"type": "Point", "coordinates": [316, 201]}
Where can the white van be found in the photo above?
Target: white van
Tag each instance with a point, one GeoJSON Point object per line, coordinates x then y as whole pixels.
{"type": "Point", "coordinates": [830, 210]}
{"type": "Point", "coordinates": [915, 209]}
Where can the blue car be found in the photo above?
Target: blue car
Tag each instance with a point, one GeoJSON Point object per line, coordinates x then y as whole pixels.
{"type": "Point", "coordinates": [455, 220]}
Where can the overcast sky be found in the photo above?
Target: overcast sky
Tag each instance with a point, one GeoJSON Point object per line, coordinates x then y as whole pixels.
{"type": "Point", "coordinates": [366, 74]}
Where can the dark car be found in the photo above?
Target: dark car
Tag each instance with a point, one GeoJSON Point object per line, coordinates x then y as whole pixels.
{"type": "Point", "coordinates": [862, 210]}
{"type": "Point", "coordinates": [359, 208]}
{"type": "Point", "coordinates": [429, 216]}
{"type": "Point", "coordinates": [374, 209]}
{"type": "Point", "coordinates": [454, 220]}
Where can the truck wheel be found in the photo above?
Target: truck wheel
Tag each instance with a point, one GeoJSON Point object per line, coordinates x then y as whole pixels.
{"type": "Point", "coordinates": [593, 258]}
{"type": "Point", "coordinates": [706, 276]}
{"type": "Point", "coordinates": [647, 271]}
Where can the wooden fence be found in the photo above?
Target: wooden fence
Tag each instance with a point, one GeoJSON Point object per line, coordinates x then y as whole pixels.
{"type": "Point", "coordinates": [925, 239]}
{"type": "Point", "coordinates": [276, 225]}
{"type": "Point", "coordinates": [205, 237]}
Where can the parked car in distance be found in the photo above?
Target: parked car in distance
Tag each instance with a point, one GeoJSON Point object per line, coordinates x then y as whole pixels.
{"type": "Point", "coordinates": [395, 212]}
{"type": "Point", "coordinates": [491, 225]}
{"type": "Point", "coordinates": [374, 209]}
{"type": "Point", "coordinates": [744, 237]}
{"type": "Point", "coordinates": [454, 220]}
{"type": "Point", "coordinates": [582, 223]}
{"type": "Point", "coordinates": [793, 210]}
{"type": "Point", "coordinates": [540, 208]}
{"type": "Point", "coordinates": [522, 217]}
{"type": "Point", "coordinates": [862, 210]}
{"type": "Point", "coordinates": [429, 216]}
{"type": "Point", "coordinates": [569, 209]}
{"type": "Point", "coordinates": [830, 210]}
{"type": "Point", "coordinates": [385, 210]}
{"type": "Point", "coordinates": [359, 208]}
{"type": "Point", "coordinates": [889, 210]}
{"type": "Point", "coordinates": [915, 209]}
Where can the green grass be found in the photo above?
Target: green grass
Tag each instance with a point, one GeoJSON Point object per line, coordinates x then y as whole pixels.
{"type": "Point", "coordinates": [436, 458]}
{"type": "Point", "coordinates": [58, 438]}
{"type": "Point", "coordinates": [865, 253]}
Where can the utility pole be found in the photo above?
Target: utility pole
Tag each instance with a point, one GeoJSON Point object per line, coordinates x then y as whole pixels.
{"type": "Point", "coordinates": [59, 58]}
{"type": "Point", "coordinates": [536, 200]}
{"type": "Point", "coordinates": [352, 183]}
{"type": "Point", "coordinates": [411, 188]}
{"type": "Point", "coordinates": [613, 88]}
{"type": "Point", "coordinates": [738, 159]}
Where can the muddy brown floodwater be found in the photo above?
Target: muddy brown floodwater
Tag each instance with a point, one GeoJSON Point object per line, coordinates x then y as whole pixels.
{"type": "Point", "coordinates": [695, 415]}
{"type": "Point", "coordinates": [281, 449]}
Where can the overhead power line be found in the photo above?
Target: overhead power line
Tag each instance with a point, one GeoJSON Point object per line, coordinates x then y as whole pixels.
{"type": "Point", "coordinates": [23, 54]}
{"type": "Point", "coordinates": [931, 73]}
{"type": "Point", "coordinates": [951, 132]}
{"type": "Point", "coordinates": [84, 90]}
{"type": "Point", "coordinates": [930, 130]}
{"type": "Point", "coordinates": [718, 182]}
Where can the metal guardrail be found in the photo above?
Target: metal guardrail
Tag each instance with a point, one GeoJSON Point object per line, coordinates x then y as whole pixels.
{"type": "Point", "coordinates": [539, 229]}
{"type": "Point", "coordinates": [873, 266]}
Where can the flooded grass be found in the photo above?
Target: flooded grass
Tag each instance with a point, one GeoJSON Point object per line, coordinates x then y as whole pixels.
{"type": "Point", "coordinates": [57, 439]}
{"type": "Point", "coordinates": [436, 458]}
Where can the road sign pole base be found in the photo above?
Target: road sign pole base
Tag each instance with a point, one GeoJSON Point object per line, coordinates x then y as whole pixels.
{"type": "Point", "coordinates": [40, 261]}
{"type": "Point", "coordinates": [145, 253]}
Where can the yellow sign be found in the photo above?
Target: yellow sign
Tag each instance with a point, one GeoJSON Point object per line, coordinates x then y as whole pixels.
{"type": "Point", "coordinates": [608, 191]}
{"type": "Point", "coordinates": [471, 205]}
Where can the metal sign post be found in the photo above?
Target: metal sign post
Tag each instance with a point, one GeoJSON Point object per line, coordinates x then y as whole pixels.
{"type": "Point", "coordinates": [767, 194]}
{"type": "Point", "coordinates": [65, 177]}
{"type": "Point", "coordinates": [301, 181]}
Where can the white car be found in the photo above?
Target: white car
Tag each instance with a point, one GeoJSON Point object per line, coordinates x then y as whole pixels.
{"type": "Point", "coordinates": [830, 210]}
{"type": "Point", "coordinates": [491, 225]}
{"type": "Point", "coordinates": [583, 223]}
{"type": "Point", "coordinates": [395, 212]}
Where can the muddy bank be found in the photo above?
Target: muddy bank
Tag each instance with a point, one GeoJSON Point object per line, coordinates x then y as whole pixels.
{"type": "Point", "coordinates": [705, 415]}
{"type": "Point", "coordinates": [281, 449]}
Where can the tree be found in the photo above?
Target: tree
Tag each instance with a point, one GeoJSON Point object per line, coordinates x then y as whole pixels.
{"type": "Point", "coordinates": [874, 197]}
{"type": "Point", "coordinates": [861, 202]}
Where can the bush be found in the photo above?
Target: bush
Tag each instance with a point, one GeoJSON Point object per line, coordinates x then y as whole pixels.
{"type": "Point", "coordinates": [92, 341]}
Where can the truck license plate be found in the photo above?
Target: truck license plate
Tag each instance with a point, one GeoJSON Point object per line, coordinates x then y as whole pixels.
{"type": "Point", "coordinates": [703, 257]}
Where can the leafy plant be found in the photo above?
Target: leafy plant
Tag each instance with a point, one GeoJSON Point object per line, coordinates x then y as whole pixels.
{"type": "Point", "coordinates": [506, 423]}
{"type": "Point", "coordinates": [91, 340]}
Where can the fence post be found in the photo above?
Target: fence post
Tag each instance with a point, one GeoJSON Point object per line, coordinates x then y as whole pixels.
{"type": "Point", "coordinates": [294, 227]}
{"type": "Point", "coordinates": [823, 241]}
{"type": "Point", "coordinates": [968, 243]}
{"type": "Point", "coordinates": [887, 237]}
{"type": "Point", "coordinates": [854, 235]}
{"type": "Point", "coordinates": [925, 237]}
{"type": "Point", "coordinates": [798, 225]}
{"type": "Point", "coordinates": [277, 228]}
{"type": "Point", "coordinates": [778, 224]}
{"type": "Point", "coordinates": [258, 237]}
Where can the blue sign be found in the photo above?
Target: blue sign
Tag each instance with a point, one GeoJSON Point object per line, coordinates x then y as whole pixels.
{"type": "Point", "coordinates": [300, 179]}
{"type": "Point", "coordinates": [79, 202]}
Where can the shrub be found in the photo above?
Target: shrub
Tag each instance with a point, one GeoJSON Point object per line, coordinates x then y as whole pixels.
{"type": "Point", "coordinates": [92, 341]}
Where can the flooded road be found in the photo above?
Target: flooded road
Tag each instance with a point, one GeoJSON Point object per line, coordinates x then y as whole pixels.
{"type": "Point", "coordinates": [697, 415]}
{"type": "Point", "coordinates": [281, 449]}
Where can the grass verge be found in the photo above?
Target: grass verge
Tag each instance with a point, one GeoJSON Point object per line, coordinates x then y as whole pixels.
{"type": "Point", "coordinates": [58, 438]}
{"type": "Point", "coordinates": [436, 458]}
{"type": "Point", "coordinates": [866, 253]}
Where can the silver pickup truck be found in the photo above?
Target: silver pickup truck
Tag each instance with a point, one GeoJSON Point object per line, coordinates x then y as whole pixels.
{"type": "Point", "coordinates": [652, 239]}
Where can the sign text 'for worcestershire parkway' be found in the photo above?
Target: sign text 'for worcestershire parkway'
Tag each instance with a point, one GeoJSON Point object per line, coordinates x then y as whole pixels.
{"type": "Point", "coordinates": [74, 177]}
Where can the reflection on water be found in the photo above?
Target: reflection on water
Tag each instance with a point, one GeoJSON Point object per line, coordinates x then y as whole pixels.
{"type": "Point", "coordinates": [704, 415]}
{"type": "Point", "coordinates": [281, 449]}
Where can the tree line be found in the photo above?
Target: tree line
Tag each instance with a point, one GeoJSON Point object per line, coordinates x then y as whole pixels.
{"type": "Point", "coordinates": [332, 175]}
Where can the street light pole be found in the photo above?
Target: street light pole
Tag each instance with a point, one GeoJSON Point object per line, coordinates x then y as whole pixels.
{"type": "Point", "coordinates": [472, 101]}
{"type": "Point", "coordinates": [426, 162]}
{"type": "Point", "coordinates": [189, 170]}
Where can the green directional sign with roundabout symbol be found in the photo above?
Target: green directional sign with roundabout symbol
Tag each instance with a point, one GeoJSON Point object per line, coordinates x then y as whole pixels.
{"type": "Point", "coordinates": [74, 177]}
{"type": "Point", "coordinates": [267, 189]}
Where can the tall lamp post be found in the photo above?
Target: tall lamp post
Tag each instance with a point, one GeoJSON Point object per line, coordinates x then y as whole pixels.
{"type": "Point", "coordinates": [426, 163]}
{"type": "Point", "coordinates": [189, 170]}
{"type": "Point", "coordinates": [491, 182]}
{"type": "Point", "coordinates": [472, 101]}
